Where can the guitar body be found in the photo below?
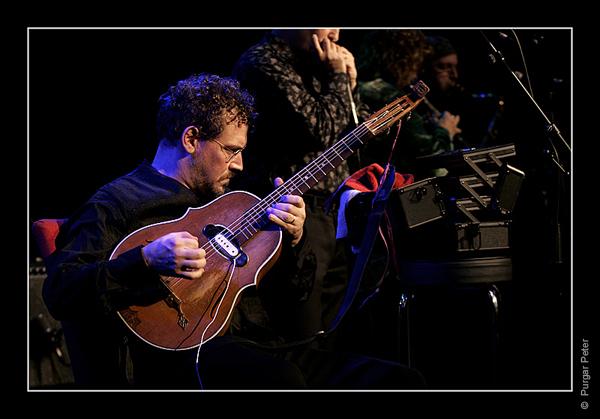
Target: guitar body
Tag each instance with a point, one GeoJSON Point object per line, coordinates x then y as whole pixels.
{"type": "Point", "coordinates": [198, 310]}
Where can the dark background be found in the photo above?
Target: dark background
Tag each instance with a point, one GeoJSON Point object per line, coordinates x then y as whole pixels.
{"type": "Point", "coordinates": [92, 96]}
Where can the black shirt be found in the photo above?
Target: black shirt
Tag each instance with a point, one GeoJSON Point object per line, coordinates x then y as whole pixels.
{"type": "Point", "coordinates": [84, 286]}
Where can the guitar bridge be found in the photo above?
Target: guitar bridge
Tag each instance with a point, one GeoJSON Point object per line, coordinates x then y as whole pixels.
{"type": "Point", "coordinates": [174, 302]}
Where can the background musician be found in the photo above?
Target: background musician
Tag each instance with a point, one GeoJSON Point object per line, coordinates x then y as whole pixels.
{"type": "Point", "coordinates": [389, 60]}
{"type": "Point", "coordinates": [480, 113]}
{"type": "Point", "coordinates": [304, 81]}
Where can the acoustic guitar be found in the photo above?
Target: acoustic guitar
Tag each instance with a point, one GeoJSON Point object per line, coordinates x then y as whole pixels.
{"type": "Point", "coordinates": [241, 245]}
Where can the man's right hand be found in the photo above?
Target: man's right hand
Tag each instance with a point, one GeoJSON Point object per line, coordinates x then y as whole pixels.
{"type": "Point", "coordinates": [176, 254]}
{"type": "Point", "coordinates": [450, 122]}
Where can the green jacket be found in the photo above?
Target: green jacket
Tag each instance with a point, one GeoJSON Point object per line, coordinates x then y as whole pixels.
{"type": "Point", "coordinates": [418, 137]}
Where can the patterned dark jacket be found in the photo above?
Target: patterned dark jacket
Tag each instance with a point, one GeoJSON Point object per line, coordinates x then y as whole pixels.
{"type": "Point", "coordinates": [302, 110]}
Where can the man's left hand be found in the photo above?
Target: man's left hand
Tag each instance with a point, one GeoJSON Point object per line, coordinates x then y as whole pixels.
{"type": "Point", "coordinates": [289, 213]}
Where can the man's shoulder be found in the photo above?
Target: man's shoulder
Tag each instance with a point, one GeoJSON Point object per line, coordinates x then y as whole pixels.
{"type": "Point", "coordinates": [267, 53]}
{"type": "Point", "coordinates": [377, 92]}
{"type": "Point", "coordinates": [377, 87]}
{"type": "Point", "coordinates": [126, 187]}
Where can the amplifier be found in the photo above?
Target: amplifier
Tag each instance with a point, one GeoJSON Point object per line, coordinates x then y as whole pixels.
{"type": "Point", "coordinates": [419, 203]}
{"type": "Point", "coordinates": [482, 236]}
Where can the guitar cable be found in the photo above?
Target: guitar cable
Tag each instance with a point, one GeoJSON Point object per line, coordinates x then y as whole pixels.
{"type": "Point", "coordinates": [221, 298]}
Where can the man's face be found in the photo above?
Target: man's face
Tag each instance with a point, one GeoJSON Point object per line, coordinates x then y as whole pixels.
{"type": "Point", "coordinates": [304, 37]}
{"type": "Point", "coordinates": [332, 33]}
{"type": "Point", "coordinates": [214, 164]}
{"type": "Point", "coordinates": [445, 70]}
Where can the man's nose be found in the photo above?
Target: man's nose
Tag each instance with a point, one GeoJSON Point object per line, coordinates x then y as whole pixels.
{"type": "Point", "coordinates": [237, 163]}
{"type": "Point", "coordinates": [334, 35]}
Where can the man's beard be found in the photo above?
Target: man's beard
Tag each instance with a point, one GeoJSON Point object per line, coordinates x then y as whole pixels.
{"type": "Point", "coordinates": [201, 185]}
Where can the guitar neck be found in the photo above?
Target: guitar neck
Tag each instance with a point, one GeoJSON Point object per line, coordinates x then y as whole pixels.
{"type": "Point", "coordinates": [254, 219]}
{"type": "Point", "coordinates": [318, 169]}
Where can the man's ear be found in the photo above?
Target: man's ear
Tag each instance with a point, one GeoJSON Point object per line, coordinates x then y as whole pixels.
{"type": "Point", "coordinates": [189, 137]}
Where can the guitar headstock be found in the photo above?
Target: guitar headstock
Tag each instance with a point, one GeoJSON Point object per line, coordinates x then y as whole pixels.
{"type": "Point", "coordinates": [388, 115]}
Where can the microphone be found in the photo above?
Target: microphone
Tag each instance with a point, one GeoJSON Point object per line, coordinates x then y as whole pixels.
{"type": "Point", "coordinates": [536, 39]}
{"type": "Point", "coordinates": [504, 36]}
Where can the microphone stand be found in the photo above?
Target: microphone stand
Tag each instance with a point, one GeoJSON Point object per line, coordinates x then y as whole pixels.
{"type": "Point", "coordinates": [355, 119]}
{"type": "Point", "coordinates": [551, 128]}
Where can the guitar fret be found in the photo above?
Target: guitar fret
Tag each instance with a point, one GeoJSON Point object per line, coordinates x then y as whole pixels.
{"type": "Point", "coordinates": [303, 181]}
{"type": "Point", "coordinates": [297, 191]}
{"type": "Point", "coordinates": [327, 160]}
{"type": "Point", "coordinates": [322, 171]}
{"type": "Point", "coordinates": [356, 137]}
{"type": "Point", "coordinates": [312, 176]}
{"type": "Point", "coordinates": [348, 147]}
{"type": "Point", "coordinates": [338, 154]}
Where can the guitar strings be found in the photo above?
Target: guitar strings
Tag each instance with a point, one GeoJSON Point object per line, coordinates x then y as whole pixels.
{"type": "Point", "coordinates": [296, 181]}
{"type": "Point", "coordinates": [391, 112]}
{"type": "Point", "coordinates": [247, 220]}
{"type": "Point", "coordinates": [255, 213]}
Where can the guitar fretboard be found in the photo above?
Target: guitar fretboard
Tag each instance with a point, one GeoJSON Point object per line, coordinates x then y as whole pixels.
{"type": "Point", "coordinates": [256, 219]}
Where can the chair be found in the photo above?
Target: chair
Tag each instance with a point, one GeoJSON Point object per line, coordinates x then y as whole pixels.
{"type": "Point", "coordinates": [45, 232]}
{"type": "Point", "coordinates": [94, 365]}
{"type": "Point", "coordinates": [50, 364]}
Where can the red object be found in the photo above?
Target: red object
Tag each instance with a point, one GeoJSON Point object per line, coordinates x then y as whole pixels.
{"type": "Point", "coordinates": [367, 179]}
{"type": "Point", "coordinates": [45, 232]}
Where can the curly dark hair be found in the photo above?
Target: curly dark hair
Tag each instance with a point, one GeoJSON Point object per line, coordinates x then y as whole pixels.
{"type": "Point", "coordinates": [206, 101]}
{"type": "Point", "coordinates": [392, 54]}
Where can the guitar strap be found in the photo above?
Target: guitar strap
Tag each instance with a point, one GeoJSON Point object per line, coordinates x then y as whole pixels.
{"type": "Point", "coordinates": [377, 210]}
{"type": "Point", "coordinates": [378, 205]}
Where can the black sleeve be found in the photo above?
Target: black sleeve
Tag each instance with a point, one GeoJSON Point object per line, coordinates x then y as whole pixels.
{"type": "Point", "coordinates": [81, 278]}
{"type": "Point", "coordinates": [284, 291]}
{"type": "Point", "coordinates": [292, 278]}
